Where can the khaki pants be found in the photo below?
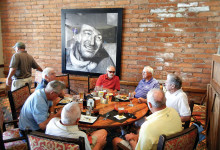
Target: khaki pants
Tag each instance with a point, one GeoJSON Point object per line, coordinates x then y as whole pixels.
{"type": "Point", "coordinates": [16, 84]}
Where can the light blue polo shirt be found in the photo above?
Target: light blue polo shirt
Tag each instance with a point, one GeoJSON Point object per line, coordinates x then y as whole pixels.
{"type": "Point", "coordinates": [34, 111]}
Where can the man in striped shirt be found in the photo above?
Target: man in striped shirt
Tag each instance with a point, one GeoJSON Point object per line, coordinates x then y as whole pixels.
{"type": "Point", "coordinates": [146, 84]}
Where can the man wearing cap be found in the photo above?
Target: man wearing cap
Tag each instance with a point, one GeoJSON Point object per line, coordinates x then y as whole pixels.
{"type": "Point", "coordinates": [87, 53]}
{"type": "Point", "coordinates": [20, 67]}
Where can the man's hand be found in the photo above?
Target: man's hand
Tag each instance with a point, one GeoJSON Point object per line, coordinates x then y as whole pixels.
{"type": "Point", "coordinates": [131, 136]}
{"type": "Point", "coordinates": [8, 81]}
{"type": "Point", "coordinates": [142, 100]}
{"type": "Point", "coordinates": [10, 74]}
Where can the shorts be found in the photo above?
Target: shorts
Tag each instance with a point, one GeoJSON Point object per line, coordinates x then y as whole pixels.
{"type": "Point", "coordinates": [126, 144]}
{"type": "Point", "coordinates": [17, 83]}
{"type": "Point", "coordinates": [92, 141]}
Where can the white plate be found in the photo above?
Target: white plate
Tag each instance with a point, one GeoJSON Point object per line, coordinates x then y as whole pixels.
{"type": "Point", "coordinates": [87, 119]}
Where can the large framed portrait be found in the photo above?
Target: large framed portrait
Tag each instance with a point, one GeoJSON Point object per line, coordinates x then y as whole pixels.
{"type": "Point", "coordinates": [91, 40]}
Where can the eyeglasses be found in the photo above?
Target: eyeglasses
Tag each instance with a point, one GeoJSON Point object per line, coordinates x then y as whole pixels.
{"type": "Point", "coordinates": [111, 71]}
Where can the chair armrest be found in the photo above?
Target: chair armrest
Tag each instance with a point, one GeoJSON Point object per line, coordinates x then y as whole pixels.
{"type": "Point", "coordinates": [74, 92]}
{"type": "Point", "coordinates": [14, 122]}
{"type": "Point", "coordinates": [14, 139]}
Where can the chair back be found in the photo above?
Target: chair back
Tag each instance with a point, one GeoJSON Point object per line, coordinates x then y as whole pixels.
{"type": "Point", "coordinates": [187, 123]}
{"type": "Point", "coordinates": [38, 140]}
{"type": "Point", "coordinates": [10, 139]}
{"type": "Point", "coordinates": [17, 99]}
{"type": "Point", "coordinates": [184, 140]}
{"type": "Point", "coordinates": [1, 119]}
{"type": "Point", "coordinates": [91, 83]}
{"type": "Point", "coordinates": [65, 80]}
{"type": "Point", "coordinates": [38, 78]}
{"type": "Point", "coordinates": [1, 129]}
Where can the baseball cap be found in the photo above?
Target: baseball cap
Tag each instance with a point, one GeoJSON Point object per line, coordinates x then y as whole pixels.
{"type": "Point", "coordinates": [19, 45]}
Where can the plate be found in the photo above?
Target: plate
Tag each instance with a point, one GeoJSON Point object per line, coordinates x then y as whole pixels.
{"type": "Point", "coordinates": [87, 119]}
{"type": "Point", "coordinates": [65, 100]}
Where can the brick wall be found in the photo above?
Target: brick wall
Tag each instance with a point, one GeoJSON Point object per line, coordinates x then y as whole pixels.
{"type": "Point", "coordinates": [169, 35]}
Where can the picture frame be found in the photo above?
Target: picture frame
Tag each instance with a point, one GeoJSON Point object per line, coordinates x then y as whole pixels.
{"type": "Point", "coordinates": [91, 40]}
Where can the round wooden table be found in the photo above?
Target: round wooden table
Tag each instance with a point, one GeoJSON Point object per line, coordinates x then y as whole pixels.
{"type": "Point", "coordinates": [139, 110]}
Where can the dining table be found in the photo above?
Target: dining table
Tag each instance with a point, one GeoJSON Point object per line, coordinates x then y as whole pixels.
{"type": "Point", "coordinates": [138, 110]}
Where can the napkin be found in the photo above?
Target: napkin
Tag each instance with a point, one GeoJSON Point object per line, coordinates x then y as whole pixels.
{"type": "Point", "coordinates": [119, 118]}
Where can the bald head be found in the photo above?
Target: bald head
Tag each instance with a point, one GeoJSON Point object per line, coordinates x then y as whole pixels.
{"type": "Point", "coordinates": [70, 113]}
{"type": "Point", "coordinates": [156, 98]}
{"type": "Point", "coordinates": [110, 71]}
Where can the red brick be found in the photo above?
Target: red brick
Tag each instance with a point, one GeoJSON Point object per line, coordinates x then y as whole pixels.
{"type": "Point", "coordinates": [214, 18]}
{"type": "Point", "coordinates": [131, 15]}
{"type": "Point", "coordinates": [210, 3]}
{"type": "Point", "coordinates": [204, 45]}
{"type": "Point", "coordinates": [140, 11]}
{"type": "Point", "coordinates": [202, 66]}
{"type": "Point", "coordinates": [138, 20]}
{"type": "Point", "coordinates": [146, 53]}
{"type": "Point", "coordinates": [107, 3]}
{"type": "Point", "coordinates": [211, 51]}
{"type": "Point", "coordinates": [206, 14]}
{"type": "Point", "coordinates": [213, 30]}
{"type": "Point", "coordinates": [157, 49]}
{"type": "Point", "coordinates": [202, 75]}
{"type": "Point", "coordinates": [138, 39]}
{"type": "Point", "coordinates": [192, 70]}
{"type": "Point", "coordinates": [147, 34]}
{"type": "Point", "coordinates": [215, 8]}
{"type": "Point", "coordinates": [145, 44]}
{"type": "Point", "coordinates": [207, 71]}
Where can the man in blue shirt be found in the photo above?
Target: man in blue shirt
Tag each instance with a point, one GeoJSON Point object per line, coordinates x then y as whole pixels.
{"type": "Point", "coordinates": [146, 84]}
{"type": "Point", "coordinates": [48, 75]}
{"type": "Point", "coordinates": [34, 113]}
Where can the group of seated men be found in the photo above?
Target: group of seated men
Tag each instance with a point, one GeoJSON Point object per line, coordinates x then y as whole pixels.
{"type": "Point", "coordinates": [168, 109]}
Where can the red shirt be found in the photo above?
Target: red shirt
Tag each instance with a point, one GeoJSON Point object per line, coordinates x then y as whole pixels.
{"type": "Point", "coordinates": [113, 83]}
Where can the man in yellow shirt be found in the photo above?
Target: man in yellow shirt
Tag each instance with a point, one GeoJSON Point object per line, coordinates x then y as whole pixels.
{"type": "Point", "coordinates": [164, 120]}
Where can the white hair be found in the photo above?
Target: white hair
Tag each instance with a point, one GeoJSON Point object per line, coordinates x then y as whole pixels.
{"type": "Point", "coordinates": [153, 96]}
{"type": "Point", "coordinates": [149, 69]}
{"type": "Point", "coordinates": [55, 86]}
{"type": "Point", "coordinates": [46, 72]}
{"type": "Point", "coordinates": [70, 113]}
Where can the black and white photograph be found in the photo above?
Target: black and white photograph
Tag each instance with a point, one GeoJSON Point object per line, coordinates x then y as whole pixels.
{"type": "Point", "coordinates": [91, 40]}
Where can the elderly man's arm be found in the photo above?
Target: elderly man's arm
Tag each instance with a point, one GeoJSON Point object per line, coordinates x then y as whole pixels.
{"type": "Point", "coordinates": [39, 69]}
{"type": "Point", "coordinates": [10, 74]}
{"type": "Point", "coordinates": [185, 118]}
{"type": "Point", "coordinates": [142, 100]}
{"type": "Point", "coordinates": [44, 124]}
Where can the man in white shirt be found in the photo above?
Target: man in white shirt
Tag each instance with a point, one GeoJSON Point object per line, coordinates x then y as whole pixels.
{"type": "Point", "coordinates": [176, 98]}
{"type": "Point", "coordinates": [67, 127]}
{"type": "Point", "coordinates": [164, 120]}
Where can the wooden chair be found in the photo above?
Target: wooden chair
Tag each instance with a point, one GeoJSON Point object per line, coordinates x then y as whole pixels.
{"type": "Point", "coordinates": [38, 140]}
{"type": "Point", "coordinates": [91, 83]}
{"type": "Point", "coordinates": [187, 123]}
{"type": "Point", "coordinates": [38, 78]}
{"type": "Point", "coordinates": [17, 99]}
{"type": "Point", "coordinates": [65, 79]}
{"type": "Point", "coordinates": [184, 140]}
{"type": "Point", "coordinates": [10, 139]}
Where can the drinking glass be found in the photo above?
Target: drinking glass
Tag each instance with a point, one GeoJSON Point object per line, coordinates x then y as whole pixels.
{"type": "Point", "coordinates": [131, 97]}
{"type": "Point", "coordinates": [121, 112]}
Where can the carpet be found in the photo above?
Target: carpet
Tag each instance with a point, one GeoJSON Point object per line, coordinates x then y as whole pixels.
{"type": "Point", "coordinates": [5, 105]}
